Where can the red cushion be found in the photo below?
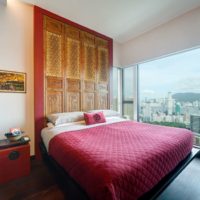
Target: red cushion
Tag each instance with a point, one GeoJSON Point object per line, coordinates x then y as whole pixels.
{"type": "Point", "coordinates": [94, 118]}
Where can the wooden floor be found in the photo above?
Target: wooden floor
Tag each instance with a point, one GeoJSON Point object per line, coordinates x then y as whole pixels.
{"type": "Point", "coordinates": [42, 184]}
{"type": "Point", "coordinates": [186, 186]}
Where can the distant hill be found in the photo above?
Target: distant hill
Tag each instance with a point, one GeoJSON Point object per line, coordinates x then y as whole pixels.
{"type": "Point", "coordinates": [186, 97]}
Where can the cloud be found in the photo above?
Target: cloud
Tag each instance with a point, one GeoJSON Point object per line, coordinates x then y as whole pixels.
{"type": "Point", "coordinates": [148, 92]}
{"type": "Point", "coordinates": [188, 85]}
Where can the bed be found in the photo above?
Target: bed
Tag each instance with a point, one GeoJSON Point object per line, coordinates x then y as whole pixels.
{"type": "Point", "coordinates": [118, 159]}
{"type": "Point", "coordinates": [112, 160]}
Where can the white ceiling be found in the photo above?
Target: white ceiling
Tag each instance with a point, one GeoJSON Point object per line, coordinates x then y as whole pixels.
{"type": "Point", "coordinates": [121, 20]}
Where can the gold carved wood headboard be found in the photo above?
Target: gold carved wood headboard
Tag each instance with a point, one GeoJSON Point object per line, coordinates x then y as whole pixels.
{"type": "Point", "coordinates": [72, 68]}
{"type": "Point", "coordinates": [76, 69]}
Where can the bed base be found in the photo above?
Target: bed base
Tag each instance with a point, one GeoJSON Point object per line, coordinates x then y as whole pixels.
{"type": "Point", "coordinates": [71, 188]}
{"type": "Point", "coordinates": [74, 191]}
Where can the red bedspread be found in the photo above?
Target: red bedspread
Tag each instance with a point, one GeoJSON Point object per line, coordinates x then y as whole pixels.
{"type": "Point", "coordinates": [120, 161]}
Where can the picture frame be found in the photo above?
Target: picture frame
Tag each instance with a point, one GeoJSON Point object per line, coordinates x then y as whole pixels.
{"type": "Point", "coordinates": [13, 82]}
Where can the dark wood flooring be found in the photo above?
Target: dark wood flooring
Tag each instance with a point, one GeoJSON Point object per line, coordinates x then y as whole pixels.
{"type": "Point", "coordinates": [40, 185]}
{"type": "Point", "coordinates": [43, 184]}
{"type": "Point", "coordinates": [186, 186]}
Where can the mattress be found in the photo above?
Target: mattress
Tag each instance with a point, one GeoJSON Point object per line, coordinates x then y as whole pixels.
{"type": "Point", "coordinates": [120, 160]}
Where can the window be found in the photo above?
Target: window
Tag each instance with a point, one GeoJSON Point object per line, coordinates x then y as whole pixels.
{"type": "Point", "coordinates": [116, 104]}
{"type": "Point", "coordinates": [169, 91]}
{"type": "Point", "coordinates": [165, 91]}
{"type": "Point", "coordinates": [127, 99]}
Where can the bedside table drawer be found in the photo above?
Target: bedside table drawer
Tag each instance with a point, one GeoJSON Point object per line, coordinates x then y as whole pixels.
{"type": "Point", "coordinates": [14, 162]}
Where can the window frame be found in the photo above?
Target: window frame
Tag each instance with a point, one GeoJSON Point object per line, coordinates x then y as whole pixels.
{"type": "Point", "coordinates": [135, 89]}
{"type": "Point", "coordinates": [119, 89]}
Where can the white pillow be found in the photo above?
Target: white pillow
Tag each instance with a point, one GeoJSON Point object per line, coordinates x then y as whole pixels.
{"type": "Point", "coordinates": [107, 113]}
{"type": "Point", "coordinates": [50, 125]}
{"type": "Point", "coordinates": [66, 117]}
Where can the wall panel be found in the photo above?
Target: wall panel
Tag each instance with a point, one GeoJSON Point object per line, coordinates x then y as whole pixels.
{"type": "Point", "coordinates": [80, 61]}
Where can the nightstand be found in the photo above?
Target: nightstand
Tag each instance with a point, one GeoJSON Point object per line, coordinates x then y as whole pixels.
{"type": "Point", "coordinates": [14, 162]}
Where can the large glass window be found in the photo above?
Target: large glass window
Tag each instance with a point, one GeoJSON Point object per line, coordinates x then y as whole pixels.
{"type": "Point", "coordinates": [169, 91]}
{"type": "Point", "coordinates": [165, 91]}
{"type": "Point", "coordinates": [128, 89]}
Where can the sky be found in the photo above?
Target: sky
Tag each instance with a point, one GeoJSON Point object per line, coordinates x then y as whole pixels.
{"type": "Point", "coordinates": [177, 73]}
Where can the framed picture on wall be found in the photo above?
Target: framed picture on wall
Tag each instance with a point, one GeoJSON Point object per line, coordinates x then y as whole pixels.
{"type": "Point", "coordinates": [12, 81]}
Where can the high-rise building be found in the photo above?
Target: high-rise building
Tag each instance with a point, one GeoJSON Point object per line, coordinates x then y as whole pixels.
{"type": "Point", "coordinates": [178, 108]}
{"type": "Point", "coordinates": [170, 103]}
{"type": "Point", "coordinates": [195, 123]}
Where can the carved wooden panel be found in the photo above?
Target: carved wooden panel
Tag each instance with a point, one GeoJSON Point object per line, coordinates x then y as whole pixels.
{"type": "Point", "coordinates": [103, 65]}
{"type": "Point", "coordinates": [89, 86]}
{"type": "Point", "coordinates": [73, 85]}
{"type": "Point", "coordinates": [102, 87]}
{"type": "Point", "coordinates": [54, 101]}
{"type": "Point", "coordinates": [89, 56]}
{"type": "Point", "coordinates": [72, 52]}
{"type": "Point", "coordinates": [102, 101]}
{"type": "Point", "coordinates": [89, 62]}
{"type": "Point", "coordinates": [72, 58]}
{"type": "Point", "coordinates": [87, 38]}
{"type": "Point", "coordinates": [101, 42]}
{"type": "Point", "coordinates": [88, 101]}
{"type": "Point", "coordinates": [53, 54]}
{"type": "Point", "coordinates": [76, 69]}
{"type": "Point", "coordinates": [53, 25]}
{"type": "Point", "coordinates": [54, 83]}
{"type": "Point", "coordinates": [72, 32]}
{"type": "Point", "coordinates": [73, 101]}
{"type": "Point", "coordinates": [53, 45]}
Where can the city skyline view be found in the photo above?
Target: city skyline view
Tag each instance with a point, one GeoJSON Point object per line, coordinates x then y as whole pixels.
{"type": "Point", "coordinates": [169, 90]}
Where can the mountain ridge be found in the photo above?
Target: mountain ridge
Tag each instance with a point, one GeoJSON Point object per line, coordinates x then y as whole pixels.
{"type": "Point", "coordinates": [186, 97]}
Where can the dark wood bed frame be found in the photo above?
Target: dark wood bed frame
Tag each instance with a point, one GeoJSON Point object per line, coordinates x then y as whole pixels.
{"type": "Point", "coordinates": [74, 191]}
{"type": "Point", "coordinates": [69, 186]}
